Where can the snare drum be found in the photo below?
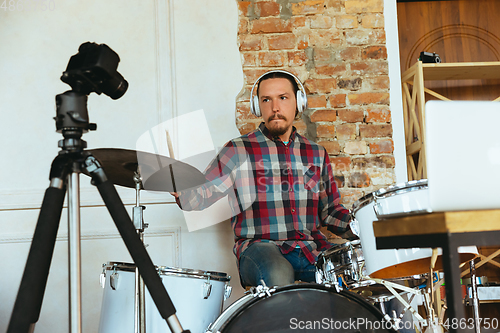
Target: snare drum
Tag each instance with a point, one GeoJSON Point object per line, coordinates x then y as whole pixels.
{"type": "Point", "coordinates": [198, 297]}
{"type": "Point", "coordinates": [300, 308]}
{"type": "Point", "coordinates": [343, 261]}
{"type": "Point", "coordinates": [397, 200]}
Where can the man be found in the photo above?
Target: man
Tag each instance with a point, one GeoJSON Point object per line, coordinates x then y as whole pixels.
{"type": "Point", "coordinates": [281, 189]}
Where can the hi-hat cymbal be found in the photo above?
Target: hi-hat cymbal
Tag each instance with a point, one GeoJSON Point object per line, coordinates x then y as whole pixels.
{"type": "Point", "coordinates": [158, 173]}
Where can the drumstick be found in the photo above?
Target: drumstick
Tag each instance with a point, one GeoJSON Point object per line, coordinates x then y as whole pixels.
{"type": "Point", "coordinates": [169, 145]}
{"type": "Point", "coordinates": [171, 153]}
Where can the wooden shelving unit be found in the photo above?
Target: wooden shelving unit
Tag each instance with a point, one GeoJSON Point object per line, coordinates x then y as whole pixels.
{"type": "Point", "coordinates": [414, 102]}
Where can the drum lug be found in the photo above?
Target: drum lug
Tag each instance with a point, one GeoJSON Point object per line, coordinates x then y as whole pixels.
{"type": "Point", "coordinates": [207, 288]}
{"type": "Point", "coordinates": [102, 276]}
{"type": "Point", "coordinates": [113, 279]}
{"type": "Point", "coordinates": [227, 290]}
{"type": "Point", "coordinates": [261, 290]}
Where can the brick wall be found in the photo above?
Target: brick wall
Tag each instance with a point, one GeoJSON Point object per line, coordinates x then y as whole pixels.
{"type": "Point", "coordinates": [337, 48]}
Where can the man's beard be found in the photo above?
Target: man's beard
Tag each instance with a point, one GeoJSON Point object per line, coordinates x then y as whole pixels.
{"type": "Point", "coordinates": [277, 131]}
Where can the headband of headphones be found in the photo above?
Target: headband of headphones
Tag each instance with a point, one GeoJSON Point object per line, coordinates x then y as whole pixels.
{"type": "Point", "coordinates": [301, 97]}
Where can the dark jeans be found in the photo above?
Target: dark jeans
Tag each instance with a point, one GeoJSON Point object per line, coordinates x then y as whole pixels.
{"type": "Point", "coordinates": [264, 261]}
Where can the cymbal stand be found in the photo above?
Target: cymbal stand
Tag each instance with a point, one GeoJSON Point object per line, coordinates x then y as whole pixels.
{"type": "Point", "coordinates": [474, 296]}
{"type": "Point", "coordinates": [140, 291]}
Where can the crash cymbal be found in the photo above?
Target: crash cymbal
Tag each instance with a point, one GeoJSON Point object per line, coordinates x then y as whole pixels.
{"type": "Point", "coordinates": [158, 173]}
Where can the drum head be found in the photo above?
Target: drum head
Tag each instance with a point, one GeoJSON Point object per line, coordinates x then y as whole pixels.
{"type": "Point", "coordinates": [307, 308]}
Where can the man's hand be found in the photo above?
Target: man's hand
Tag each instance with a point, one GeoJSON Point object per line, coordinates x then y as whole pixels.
{"type": "Point", "coordinates": [175, 194]}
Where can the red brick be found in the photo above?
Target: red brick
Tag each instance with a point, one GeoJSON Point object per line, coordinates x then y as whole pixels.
{"type": "Point", "coordinates": [339, 180]}
{"type": "Point", "coordinates": [376, 83]}
{"type": "Point", "coordinates": [370, 68]}
{"type": "Point", "coordinates": [350, 53]}
{"type": "Point", "coordinates": [300, 126]}
{"type": "Point", "coordinates": [368, 98]}
{"type": "Point", "coordinates": [347, 22]}
{"type": "Point", "coordinates": [303, 42]}
{"type": "Point", "coordinates": [337, 101]}
{"type": "Point", "coordinates": [272, 59]}
{"type": "Point", "coordinates": [382, 147]}
{"type": "Point", "coordinates": [243, 111]}
{"type": "Point", "coordinates": [350, 196]}
{"type": "Point", "coordinates": [298, 22]}
{"type": "Point", "coordinates": [332, 147]}
{"type": "Point", "coordinates": [243, 26]}
{"type": "Point", "coordinates": [372, 21]}
{"type": "Point", "coordinates": [271, 25]}
{"type": "Point", "coordinates": [251, 43]}
{"type": "Point", "coordinates": [308, 7]}
{"type": "Point", "coordinates": [346, 132]}
{"type": "Point", "coordinates": [335, 6]}
{"type": "Point", "coordinates": [364, 37]}
{"type": "Point", "coordinates": [341, 163]}
{"type": "Point", "coordinates": [297, 58]}
{"type": "Point", "coordinates": [320, 86]}
{"type": "Point", "coordinates": [375, 131]}
{"type": "Point", "coordinates": [244, 7]}
{"type": "Point", "coordinates": [316, 101]}
{"type": "Point", "coordinates": [350, 116]}
{"type": "Point", "coordinates": [374, 52]}
{"type": "Point", "coordinates": [326, 38]}
{"type": "Point", "coordinates": [325, 131]}
{"type": "Point", "coordinates": [324, 115]}
{"type": "Point", "coordinates": [267, 8]}
{"type": "Point", "coordinates": [245, 128]}
{"type": "Point", "coordinates": [244, 95]}
{"type": "Point", "coordinates": [331, 69]}
{"type": "Point", "coordinates": [249, 59]}
{"type": "Point", "coordinates": [380, 161]}
{"type": "Point", "coordinates": [358, 180]}
{"type": "Point", "coordinates": [378, 115]}
{"type": "Point", "coordinates": [251, 75]}
{"type": "Point", "coordinates": [364, 6]}
{"type": "Point", "coordinates": [322, 54]}
{"type": "Point", "coordinates": [282, 42]}
{"type": "Point", "coordinates": [350, 84]}
{"type": "Point", "coordinates": [321, 22]}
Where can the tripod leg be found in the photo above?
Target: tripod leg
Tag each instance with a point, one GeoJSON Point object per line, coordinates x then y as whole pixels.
{"type": "Point", "coordinates": [30, 295]}
{"type": "Point", "coordinates": [134, 245]}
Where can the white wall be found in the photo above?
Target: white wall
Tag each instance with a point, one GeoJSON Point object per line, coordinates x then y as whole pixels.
{"type": "Point", "coordinates": [396, 99]}
{"type": "Point", "coordinates": [171, 54]}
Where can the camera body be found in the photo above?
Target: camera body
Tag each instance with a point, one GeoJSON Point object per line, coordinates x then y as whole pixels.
{"type": "Point", "coordinates": [429, 58]}
{"type": "Point", "coordinates": [93, 69]}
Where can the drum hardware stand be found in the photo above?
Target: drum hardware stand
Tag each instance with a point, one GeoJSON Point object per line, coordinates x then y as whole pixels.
{"type": "Point", "coordinates": [474, 296]}
{"type": "Point", "coordinates": [140, 291]}
{"type": "Point", "coordinates": [72, 122]}
{"type": "Point", "coordinates": [392, 286]}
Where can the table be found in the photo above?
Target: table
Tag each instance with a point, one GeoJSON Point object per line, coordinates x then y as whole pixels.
{"type": "Point", "coordinates": [447, 230]}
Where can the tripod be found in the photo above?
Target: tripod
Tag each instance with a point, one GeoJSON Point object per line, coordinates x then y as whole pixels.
{"type": "Point", "coordinates": [64, 176]}
{"type": "Point", "coordinates": [93, 69]}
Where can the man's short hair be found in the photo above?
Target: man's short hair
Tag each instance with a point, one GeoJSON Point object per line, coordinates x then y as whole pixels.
{"type": "Point", "coordinates": [279, 75]}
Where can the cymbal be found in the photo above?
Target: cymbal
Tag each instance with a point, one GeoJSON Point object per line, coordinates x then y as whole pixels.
{"type": "Point", "coordinates": [158, 173]}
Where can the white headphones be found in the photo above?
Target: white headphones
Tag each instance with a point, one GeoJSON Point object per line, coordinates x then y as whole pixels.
{"type": "Point", "coordinates": [301, 94]}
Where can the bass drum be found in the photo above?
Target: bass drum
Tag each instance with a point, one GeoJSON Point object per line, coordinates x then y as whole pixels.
{"type": "Point", "coordinates": [302, 308]}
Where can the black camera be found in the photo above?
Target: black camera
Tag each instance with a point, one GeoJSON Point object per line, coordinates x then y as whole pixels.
{"type": "Point", "coordinates": [93, 69]}
{"type": "Point", "coordinates": [429, 58]}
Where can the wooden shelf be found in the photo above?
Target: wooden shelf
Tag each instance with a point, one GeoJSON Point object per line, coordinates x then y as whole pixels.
{"type": "Point", "coordinates": [461, 71]}
{"type": "Point", "coordinates": [414, 92]}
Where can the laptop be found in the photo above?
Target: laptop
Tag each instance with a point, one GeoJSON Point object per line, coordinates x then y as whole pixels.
{"type": "Point", "coordinates": [462, 142]}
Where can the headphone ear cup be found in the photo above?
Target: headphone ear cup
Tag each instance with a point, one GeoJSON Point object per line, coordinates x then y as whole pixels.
{"type": "Point", "coordinates": [254, 106]}
{"type": "Point", "coordinates": [301, 101]}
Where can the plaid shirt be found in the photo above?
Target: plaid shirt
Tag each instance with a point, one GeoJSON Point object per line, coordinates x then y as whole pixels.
{"type": "Point", "coordinates": [278, 192]}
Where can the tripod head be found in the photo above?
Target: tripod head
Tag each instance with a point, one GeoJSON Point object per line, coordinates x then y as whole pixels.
{"type": "Point", "coordinates": [92, 69]}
